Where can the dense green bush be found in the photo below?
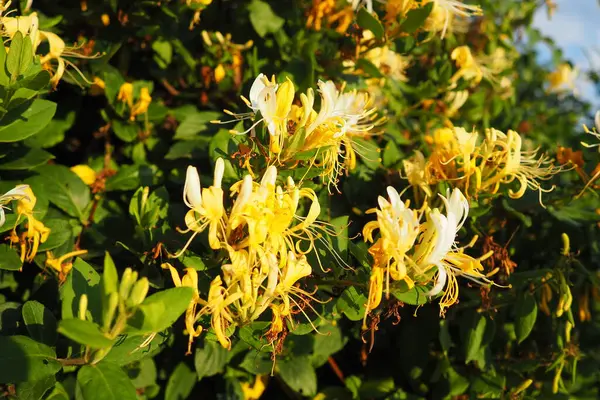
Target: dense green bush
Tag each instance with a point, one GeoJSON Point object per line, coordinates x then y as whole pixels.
{"type": "Point", "coordinates": [395, 202]}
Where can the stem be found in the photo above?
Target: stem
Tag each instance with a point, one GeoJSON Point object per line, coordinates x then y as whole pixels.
{"type": "Point", "coordinates": [71, 361]}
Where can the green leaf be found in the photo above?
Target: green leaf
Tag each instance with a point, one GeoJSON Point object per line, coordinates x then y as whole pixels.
{"type": "Point", "coordinates": [181, 382]}
{"type": "Point", "coordinates": [10, 318]}
{"type": "Point", "coordinates": [415, 296]}
{"type": "Point", "coordinates": [194, 124]}
{"type": "Point", "coordinates": [210, 360]}
{"type": "Point", "coordinates": [9, 259]}
{"type": "Point", "coordinates": [58, 393]}
{"type": "Point", "coordinates": [20, 55]}
{"type": "Point", "coordinates": [40, 322]}
{"type": "Point", "coordinates": [163, 53]}
{"type": "Point", "coordinates": [83, 279]}
{"type": "Point", "coordinates": [369, 21]}
{"type": "Point", "coordinates": [110, 277]}
{"type": "Point", "coordinates": [34, 390]}
{"type": "Point", "coordinates": [526, 315]}
{"type": "Point", "coordinates": [299, 374]}
{"type": "Point", "coordinates": [25, 158]}
{"type": "Point", "coordinates": [84, 332]}
{"type": "Point", "coordinates": [416, 18]}
{"type": "Point", "coordinates": [23, 359]}
{"type": "Point", "coordinates": [129, 349]}
{"type": "Point", "coordinates": [60, 233]}
{"type": "Point", "coordinates": [26, 120]}
{"type": "Point", "coordinates": [4, 78]}
{"type": "Point", "coordinates": [352, 304]}
{"type": "Point", "coordinates": [126, 131]}
{"type": "Point", "coordinates": [104, 381]}
{"type": "Point", "coordinates": [66, 190]}
{"type": "Point", "coordinates": [130, 177]}
{"type": "Point", "coordinates": [161, 310]}
{"type": "Point", "coordinates": [330, 342]}
{"type": "Point", "coordinates": [475, 337]}
{"type": "Point", "coordinates": [263, 19]}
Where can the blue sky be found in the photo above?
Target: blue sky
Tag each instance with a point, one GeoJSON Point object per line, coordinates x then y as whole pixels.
{"type": "Point", "coordinates": [575, 28]}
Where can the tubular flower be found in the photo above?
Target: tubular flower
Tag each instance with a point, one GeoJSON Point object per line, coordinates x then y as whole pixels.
{"type": "Point", "coordinates": [563, 79]}
{"type": "Point", "coordinates": [445, 13]}
{"type": "Point", "coordinates": [328, 138]}
{"type": "Point", "coordinates": [125, 94]}
{"type": "Point", "coordinates": [593, 132]}
{"type": "Point", "coordinates": [475, 168]}
{"type": "Point", "coordinates": [36, 232]}
{"type": "Point", "coordinates": [206, 205]}
{"type": "Point", "coordinates": [419, 253]}
{"type": "Point", "coordinates": [326, 10]}
{"type": "Point", "coordinates": [190, 279]}
{"type": "Point", "coordinates": [17, 193]}
{"type": "Point", "coordinates": [476, 68]}
{"type": "Point", "coordinates": [141, 106]}
{"type": "Point", "coordinates": [265, 239]}
{"type": "Point", "coordinates": [59, 265]}
{"type": "Point", "coordinates": [27, 25]}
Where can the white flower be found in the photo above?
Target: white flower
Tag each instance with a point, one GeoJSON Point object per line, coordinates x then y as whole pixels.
{"type": "Point", "coordinates": [17, 193]}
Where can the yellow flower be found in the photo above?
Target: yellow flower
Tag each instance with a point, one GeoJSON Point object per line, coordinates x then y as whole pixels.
{"type": "Point", "coordinates": [256, 390]}
{"type": "Point", "coordinates": [58, 52]}
{"type": "Point", "coordinates": [445, 12]}
{"type": "Point", "coordinates": [141, 107]}
{"type": "Point", "coordinates": [27, 25]}
{"type": "Point", "coordinates": [217, 306]}
{"type": "Point", "coordinates": [19, 192]}
{"type": "Point", "coordinates": [219, 73]}
{"type": "Point", "coordinates": [190, 279]}
{"type": "Point", "coordinates": [97, 87]}
{"type": "Point", "coordinates": [475, 68]}
{"type": "Point", "coordinates": [563, 79]}
{"type": "Point", "coordinates": [125, 94]}
{"type": "Point", "coordinates": [59, 265]}
{"type": "Point", "coordinates": [206, 206]}
{"type": "Point", "coordinates": [85, 173]}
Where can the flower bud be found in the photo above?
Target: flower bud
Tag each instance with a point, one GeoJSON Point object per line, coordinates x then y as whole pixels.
{"type": "Point", "coordinates": [192, 195]}
{"type": "Point", "coordinates": [127, 281]}
{"type": "Point", "coordinates": [111, 309]}
{"type": "Point", "coordinates": [138, 293]}
{"type": "Point", "coordinates": [83, 305]}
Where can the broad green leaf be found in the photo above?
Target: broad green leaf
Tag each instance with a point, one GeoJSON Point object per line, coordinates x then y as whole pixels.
{"type": "Point", "coordinates": [263, 19]}
{"type": "Point", "coordinates": [66, 190]}
{"type": "Point", "coordinates": [130, 177]}
{"type": "Point", "coordinates": [129, 349]}
{"type": "Point", "coordinates": [299, 374]}
{"type": "Point", "coordinates": [104, 381]}
{"type": "Point", "coordinates": [25, 159]}
{"type": "Point", "coordinates": [9, 259]}
{"type": "Point", "coordinates": [4, 78]}
{"type": "Point", "coordinates": [488, 386]}
{"type": "Point", "coordinates": [20, 55]}
{"type": "Point", "coordinates": [416, 18]}
{"type": "Point", "coordinates": [526, 315]}
{"type": "Point", "coordinates": [160, 311]}
{"type": "Point", "coordinates": [60, 233]}
{"type": "Point", "coordinates": [330, 342]}
{"type": "Point", "coordinates": [210, 360]}
{"type": "Point", "coordinates": [352, 304]}
{"type": "Point", "coordinates": [163, 52]}
{"type": "Point", "coordinates": [58, 393]}
{"type": "Point", "coordinates": [26, 120]}
{"type": "Point", "coordinates": [415, 296]}
{"type": "Point", "coordinates": [84, 332]}
{"type": "Point", "coordinates": [194, 124]}
{"type": "Point", "coordinates": [35, 390]}
{"type": "Point", "coordinates": [369, 21]}
{"type": "Point", "coordinates": [126, 131]}
{"type": "Point", "coordinates": [475, 337]}
{"type": "Point", "coordinates": [83, 279]}
{"type": "Point", "coordinates": [23, 359]}
{"type": "Point", "coordinates": [181, 382]}
{"type": "Point", "coordinates": [40, 322]}
{"type": "Point", "coordinates": [376, 388]}
{"type": "Point", "coordinates": [53, 133]}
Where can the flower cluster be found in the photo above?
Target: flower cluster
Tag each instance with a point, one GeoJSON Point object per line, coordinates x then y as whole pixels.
{"type": "Point", "coordinates": [326, 138]}
{"type": "Point", "coordinates": [36, 232]}
{"type": "Point", "coordinates": [499, 159]}
{"type": "Point", "coordinates": [266, 240]}
{"type": "Point", "coordinates": [57, 58]}
{"type": "Point", "coordinates": [417, 252]}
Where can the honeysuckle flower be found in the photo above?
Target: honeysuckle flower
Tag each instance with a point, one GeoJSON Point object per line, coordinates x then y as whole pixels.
{"type": "Point", "coordinates": [59, 265]}
{"type": "Point", "coordinates": [476, 68]}
{"type": "Point", "coordinates": [27, 25]}
{"type": "Point", "coordinates": [417, 174]}
{"type": "Point", "coordinates": [16, 193]}
{"type": "Point", "coordinates": [562, 79]}
{"type": "Point", "coordinates": [594, 132]}
{"type": "Point", "coordinates": [326, 10]}
{"type": "Point", "coordinates": [125, 94]}
{"type": "Point", "coordinates": [206, 206]}
{"type": "Point", "coordinates": [85, 173]}
{"type": "Point", "coordinates": [217, 305]}
{"type": "Point", "coordinates": [59, 52]}
{"type": "Point", "coordinates": [356, 4]}
{"type": "Point", "coordinates": [190, 279]}
{"type": "Point", "coordinates": [455, 100]}
{"type": "Point", "coordinates": [255, 391]}
{"type": "Point", "coordinates": [141, 106]}
{"type": "Point", "coordinates": [445, 12]}
{"type": "Point", "coordinates": [398, 226]}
